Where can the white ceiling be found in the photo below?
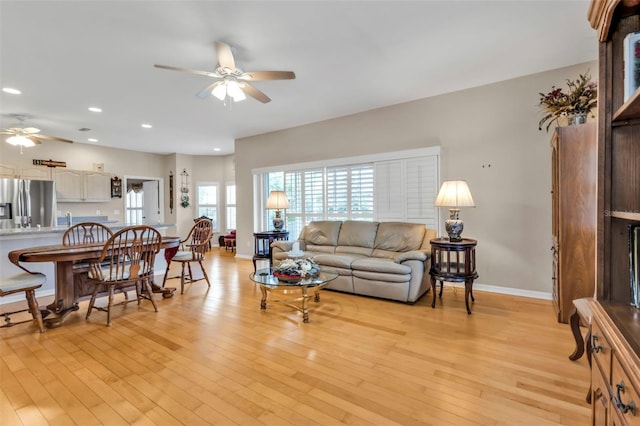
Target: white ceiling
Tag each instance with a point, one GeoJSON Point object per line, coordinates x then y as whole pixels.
{"type": "Point", "coordinates": [348, 56]}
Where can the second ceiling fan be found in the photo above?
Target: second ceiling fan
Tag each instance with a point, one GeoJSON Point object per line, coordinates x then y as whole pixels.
{"type": "Point", "coordinates": [232, 82]}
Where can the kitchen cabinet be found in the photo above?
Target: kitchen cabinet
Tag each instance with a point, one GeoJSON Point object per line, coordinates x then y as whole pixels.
{"type": "Point", "coordinates": [35, 172]}
{"type": "Point", "coordinates": [73, 186]}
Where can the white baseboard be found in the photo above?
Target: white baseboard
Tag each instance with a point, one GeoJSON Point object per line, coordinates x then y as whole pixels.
{"type": "Point", "coordinates": [507, 290]}
{"type": "Point", "coordinates": [477, 286]}
{"type": "Point", "coordinates": [17, 297]}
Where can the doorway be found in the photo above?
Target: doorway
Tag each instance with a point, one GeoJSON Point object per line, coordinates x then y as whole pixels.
{"type": "Point", "coordinates": [143, 200]}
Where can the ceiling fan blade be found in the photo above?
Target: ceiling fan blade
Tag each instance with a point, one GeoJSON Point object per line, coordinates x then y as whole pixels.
{"type": "Point", "coordinates": [49, 138]}
{"type": "Point", "coordinates": [35, 139]}
{"type": "Point", "coordinates": [225, 56]}
{"type": "Point", "coordinates": [205, 73]}
{"type": "Point", "coordinates": [253, 92]}
{"type": "Point", "coordinates": [206, 92]}
{"type": "Point", "coordinates": [31, 130]}
{"type": "Point", "coordinates": [7, 132]}
{"type": "Point", "coordinates": [267, 75]}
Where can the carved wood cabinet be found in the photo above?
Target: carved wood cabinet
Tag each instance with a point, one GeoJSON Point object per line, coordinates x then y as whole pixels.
{"type": "Point", "coordinates": [573, 201]}
{"type": "Point", "coordinates": [615, 330]}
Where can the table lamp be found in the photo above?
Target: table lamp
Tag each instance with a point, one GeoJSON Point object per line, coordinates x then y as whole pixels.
{"type": "Point", "coordinates": [277, 200]}
{"type": "Point", "coordinates": [454, 194]}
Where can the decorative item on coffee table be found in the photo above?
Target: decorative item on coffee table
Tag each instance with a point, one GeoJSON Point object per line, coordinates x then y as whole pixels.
{"type": "Point", "coordinates": [293, 270]}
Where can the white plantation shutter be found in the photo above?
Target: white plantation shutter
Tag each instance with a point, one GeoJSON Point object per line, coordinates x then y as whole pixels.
{"type": "Point", "coordinates": [338, 193]}
{"type": "Point", "coordinates": [401, 187]}
{"type": "Point", "coordinates": [313, 183]}
{"type": "Point", "coordinates": [389, 191]}
{"type": "Point", "coordinates": [421, 190]}
{"type": "Point", "coordinates": [361, 195]}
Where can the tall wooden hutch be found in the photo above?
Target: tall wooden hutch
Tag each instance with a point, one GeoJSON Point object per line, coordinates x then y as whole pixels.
{"type": "Point", "coordinates": [615, 372]}
{"type": "Point", "coordinates": [573, 195]}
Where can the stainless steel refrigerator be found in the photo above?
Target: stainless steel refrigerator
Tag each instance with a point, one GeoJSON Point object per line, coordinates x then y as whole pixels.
{"type": "Point", "coordinates": [25, 203]}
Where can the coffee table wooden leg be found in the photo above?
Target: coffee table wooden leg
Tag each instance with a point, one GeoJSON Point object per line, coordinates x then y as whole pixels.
{"type": "Point", "coordinates": [316, 297]}
{"type": "Point", "coordinates": [263, 301]}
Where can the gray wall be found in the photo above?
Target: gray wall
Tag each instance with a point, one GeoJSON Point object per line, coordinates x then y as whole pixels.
{"type": "Point", "coordinates": [489, 137]}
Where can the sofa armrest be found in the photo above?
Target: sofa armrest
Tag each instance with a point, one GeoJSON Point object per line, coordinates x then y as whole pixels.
{"type": "Point", "coordinates": [420, 255]}
{"type": "Point", "coordinates": [281, 246]}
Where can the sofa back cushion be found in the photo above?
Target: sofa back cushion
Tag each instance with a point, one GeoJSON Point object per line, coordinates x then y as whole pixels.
{"type": "Point", "coordinates": [357, 236]}
{"type": "Point", "coordinates": [321, 233]}
{"type": "Point", "coordinates": [399, 236]}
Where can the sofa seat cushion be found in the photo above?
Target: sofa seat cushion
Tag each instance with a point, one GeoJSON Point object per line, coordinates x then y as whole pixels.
{"type": "Point", "coordinates": [279, 256]}
{"type": "Point", "coordinates": [341, 261]}
{"type": "Point", "coordinates": [382, 276]}
{"type": "Point", "coordinates": [319, 249]}
{"type": "Point", "coordinates": [385, 266]}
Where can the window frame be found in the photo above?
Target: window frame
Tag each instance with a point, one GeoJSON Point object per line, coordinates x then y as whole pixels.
{"type": "Point", "coordinates": [216, 206]}
{"type": "Point", "coordinates": [262, 217]}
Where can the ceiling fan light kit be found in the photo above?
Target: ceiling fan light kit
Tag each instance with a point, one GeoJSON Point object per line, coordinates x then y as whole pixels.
{"type": "Point", "coordinates": [26, 137]}
{"type": "Point", "coordinates": [20, 140]}
{"type": "Point", "coordinates": [228, 89]}
{"type": "Point", "coordinates": [233, 84]}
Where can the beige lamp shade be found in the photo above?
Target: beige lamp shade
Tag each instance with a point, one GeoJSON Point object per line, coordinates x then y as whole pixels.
{"type": "Point", "coordinates": [454, 193]}
{"type": "Point", "coordinates": [277, 200]}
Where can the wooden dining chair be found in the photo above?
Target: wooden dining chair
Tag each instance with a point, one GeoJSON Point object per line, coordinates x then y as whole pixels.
{"type": "Point", "coordinates": [192, 249]}
{"type": "Point", "coordinates": [86, 232]}
{"type": "Point", "coordinates": [27, 282]}
{"type": "Point", "coordinates": [126, 259]}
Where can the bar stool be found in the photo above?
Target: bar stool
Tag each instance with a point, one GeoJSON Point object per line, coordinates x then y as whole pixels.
{"type": "Point", "coordinates": [26, 282]}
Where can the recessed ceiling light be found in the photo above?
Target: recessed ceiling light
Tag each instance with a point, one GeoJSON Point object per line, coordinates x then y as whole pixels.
{"type": "Point", "coordinates": [216, 149]}
{"type": "Point", "coordinates": [92, 140]}
{"type": "Point", "coordinates": [12, 91]}
{"type": "Point", "coordinates": [95, 109]}
{"type": "Point", "coordinates": [147, 126]}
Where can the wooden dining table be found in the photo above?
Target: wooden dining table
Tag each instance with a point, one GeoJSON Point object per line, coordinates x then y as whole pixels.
{"type": "Point", "coordinates": [66, 258]}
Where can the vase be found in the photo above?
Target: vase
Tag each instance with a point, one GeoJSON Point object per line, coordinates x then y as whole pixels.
{"type": "Point", "coordinates": [577, 118]}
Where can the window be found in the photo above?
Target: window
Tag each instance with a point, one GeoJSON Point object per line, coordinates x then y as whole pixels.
{"type": "Point", "coordinates": [231, 206]}
{"type": "Point", "coordinates": [135, 207]}
{"type": "Point", "coordinates": [399, 186]}
{"type": "Point", "coordinates": [208, 202]}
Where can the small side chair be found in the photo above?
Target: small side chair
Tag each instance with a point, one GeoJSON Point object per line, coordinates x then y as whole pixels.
{"type": "Point", "coordinates": [127, 259]}
{"type": "Point", "coordinates": [27, 282]}
{"type": "Point", "coordinates": [86, 232]}
{"type": "Point", "coordinates": [192, 249]}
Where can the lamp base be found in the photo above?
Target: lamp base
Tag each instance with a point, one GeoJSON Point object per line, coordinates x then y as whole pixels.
{"type": "Point", "coordinates": [454, 229]}
{"type": "Point", "coordinates": [454, 225]}
{"type": "Point", "coordinates": [278, 223]}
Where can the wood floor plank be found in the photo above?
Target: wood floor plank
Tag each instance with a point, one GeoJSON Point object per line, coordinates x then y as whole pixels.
{"type": "Point", "coordinates": [212, 356]}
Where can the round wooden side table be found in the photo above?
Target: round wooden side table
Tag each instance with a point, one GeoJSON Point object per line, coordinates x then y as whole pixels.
{"type": "Point", "coordinates": [453, 261]}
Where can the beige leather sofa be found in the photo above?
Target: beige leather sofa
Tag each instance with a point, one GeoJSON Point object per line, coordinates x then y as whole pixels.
{"type": "Point", "coordinates": [389, 260]}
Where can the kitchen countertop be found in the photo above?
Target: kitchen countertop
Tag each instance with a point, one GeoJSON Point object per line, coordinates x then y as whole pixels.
{"type": "Point", "coordinates": [37, 232]}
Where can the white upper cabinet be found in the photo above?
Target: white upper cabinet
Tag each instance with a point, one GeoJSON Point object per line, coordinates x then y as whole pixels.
{"type": "Point", "coordinates": [82, 186]}
{"type": "Point", "coordinates": [35, 172]}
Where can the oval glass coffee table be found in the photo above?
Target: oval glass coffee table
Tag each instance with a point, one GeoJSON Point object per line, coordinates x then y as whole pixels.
{"type": "Point", "coordinates": [313, 285]}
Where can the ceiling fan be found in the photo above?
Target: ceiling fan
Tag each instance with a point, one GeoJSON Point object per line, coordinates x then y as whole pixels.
{"type": "Point", "coordinates": [27, 136]}
{"type": "Point", "coordinates": [232, 82]}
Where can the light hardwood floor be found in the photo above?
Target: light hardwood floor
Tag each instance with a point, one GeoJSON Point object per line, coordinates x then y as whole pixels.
{"type": "Point", "coordinates": [213, 357]}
